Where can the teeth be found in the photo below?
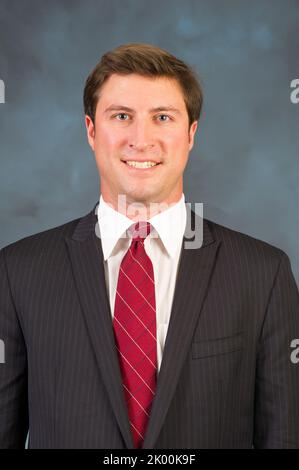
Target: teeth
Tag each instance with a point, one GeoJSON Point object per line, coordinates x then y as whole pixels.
{"type": "Point", "coordinates": [141, 164]}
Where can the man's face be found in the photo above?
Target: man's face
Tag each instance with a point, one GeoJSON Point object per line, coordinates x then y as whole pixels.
{"type": "Point", "coordinates": [141, 119]}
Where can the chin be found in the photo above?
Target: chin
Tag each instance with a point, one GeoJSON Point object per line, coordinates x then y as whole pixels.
{"type": "Point", "coordinates": [137, 193]}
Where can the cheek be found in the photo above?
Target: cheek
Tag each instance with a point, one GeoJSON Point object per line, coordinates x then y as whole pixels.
{"type": "Point", "coordinates": [106, 141]}
{"type": "Point", "coordinates": [178, 145]}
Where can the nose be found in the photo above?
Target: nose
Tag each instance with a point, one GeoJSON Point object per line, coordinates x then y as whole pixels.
{"type": "Point", "coordinates": [141, 136]}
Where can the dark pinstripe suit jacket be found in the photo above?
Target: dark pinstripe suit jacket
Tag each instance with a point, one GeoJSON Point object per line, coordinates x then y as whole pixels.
{"type": "Point", "coordinates": [226, 379]}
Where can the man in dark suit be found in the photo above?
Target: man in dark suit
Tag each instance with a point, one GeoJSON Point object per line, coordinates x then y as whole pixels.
{"type": "Point", "coordinates": [117, 333]}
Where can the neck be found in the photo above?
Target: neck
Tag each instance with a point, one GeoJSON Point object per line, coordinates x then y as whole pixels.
{"type": "Point", "coordinates": [138, 209]}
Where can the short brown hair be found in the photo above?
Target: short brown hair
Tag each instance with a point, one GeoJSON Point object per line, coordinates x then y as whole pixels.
{"type": "Point", "coordinates": [145, 60]}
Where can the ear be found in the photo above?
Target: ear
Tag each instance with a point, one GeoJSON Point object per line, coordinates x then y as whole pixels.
{"type": "Point", "coordinates": [90, 131]}
{"type": "Point", "coordinates": [192, 131]}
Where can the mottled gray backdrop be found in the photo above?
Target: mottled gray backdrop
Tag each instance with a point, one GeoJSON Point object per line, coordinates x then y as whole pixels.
{"type": "Point", "coordinates": [244, 166]}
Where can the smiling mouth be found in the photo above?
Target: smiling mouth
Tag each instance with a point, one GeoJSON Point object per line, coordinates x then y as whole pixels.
{"type": "Point", "coordinates": [147, 165]}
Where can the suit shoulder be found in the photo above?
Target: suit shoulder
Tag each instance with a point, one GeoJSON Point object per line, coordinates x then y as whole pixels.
{"type": "Point", "coordinates": [44, 241]}
{"type": "Point", "coordinates": [243, 244]}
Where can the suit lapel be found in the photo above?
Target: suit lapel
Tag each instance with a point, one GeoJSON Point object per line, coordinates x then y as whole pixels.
{"type": "Point", "coordinates": [88, 270]}
{"type": "Point", "coordinates": [193, 276]}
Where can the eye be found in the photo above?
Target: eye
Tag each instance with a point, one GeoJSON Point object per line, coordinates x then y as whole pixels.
{"type": "Point", "coordinates": [121, 116]}
{"type": "Point", "coordinates": [163, 117]}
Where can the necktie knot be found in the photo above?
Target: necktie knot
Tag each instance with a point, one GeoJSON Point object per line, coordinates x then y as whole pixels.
{"type": "Point", "coordinates": [140, 231]}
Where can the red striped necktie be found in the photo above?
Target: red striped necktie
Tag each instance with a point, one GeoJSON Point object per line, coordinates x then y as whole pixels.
{"type": "Point", "coordinates": [134, 326]}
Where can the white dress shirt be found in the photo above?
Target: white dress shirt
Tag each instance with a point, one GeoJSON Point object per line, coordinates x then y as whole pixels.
{"type": "Point", "coordinates": [163, 246]}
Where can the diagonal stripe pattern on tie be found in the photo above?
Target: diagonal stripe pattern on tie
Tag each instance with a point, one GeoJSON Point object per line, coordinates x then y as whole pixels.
{"type": "Point", "coordinates": [134, 325]}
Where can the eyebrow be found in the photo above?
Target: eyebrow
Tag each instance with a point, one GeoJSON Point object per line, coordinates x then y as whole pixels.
{"type": "Point", "coordinates": [116, 107]}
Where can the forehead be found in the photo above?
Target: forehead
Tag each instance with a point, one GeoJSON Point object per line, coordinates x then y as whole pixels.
{"type": "Point", "coordinates": [146, 91]}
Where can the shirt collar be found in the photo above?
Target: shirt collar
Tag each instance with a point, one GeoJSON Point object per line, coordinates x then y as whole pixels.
{"type": "Point", "coordinates": [168, 225]}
